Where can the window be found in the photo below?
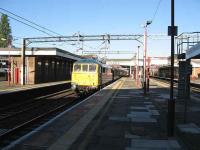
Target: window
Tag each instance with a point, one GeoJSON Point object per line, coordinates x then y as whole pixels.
{"type": "Point", "coordinates": [103, 70]}
{"type": "Point", "coordinates": [85, 68]}
{"type": "Point", "coordinates": [77, 67]}
{"type": "Point", "coordinates": [92, 68]}
{"type": "Point", "coordinates": [39, 63]}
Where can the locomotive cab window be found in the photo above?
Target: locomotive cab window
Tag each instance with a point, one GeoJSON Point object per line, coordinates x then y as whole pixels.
{"type": "Point", "coordinates": [92, 68]}
{"type": "Point", "coordinates": [85, 68]}
{"type": "Point", "coordinates": [77, 67]}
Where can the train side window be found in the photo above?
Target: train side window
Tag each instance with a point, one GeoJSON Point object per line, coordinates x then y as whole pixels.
{"type": "Point", "coordinates": [92, 68]}
{"type": "Point", "coordinates": [103, 70]}
{"type": "Point", "coordinates": [85, 68]}
{"type": "Point", "coordinates": [77, 67]}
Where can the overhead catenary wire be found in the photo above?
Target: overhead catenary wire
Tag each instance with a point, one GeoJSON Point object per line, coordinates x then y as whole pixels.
{"type": "Point", "coordinates": [36, 28]}
{"type": "Point", "coordinates": [26, 24]}
{"type": "Point", "coordinates": [17, 43]}
{"type": "Point", "coordinates": [156, 10]}
{"type": "Point", "coordinates": [30, 22]}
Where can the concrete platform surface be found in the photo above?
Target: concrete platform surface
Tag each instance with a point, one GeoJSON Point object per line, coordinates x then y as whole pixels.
{"type": "Point", "coordinates": [119, 117]}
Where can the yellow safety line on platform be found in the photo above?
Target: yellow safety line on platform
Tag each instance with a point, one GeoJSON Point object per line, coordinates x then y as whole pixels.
{"type": "Point", "coordinates": [87, 138]}
{"type": "Point", "coordinates": [65, 142]}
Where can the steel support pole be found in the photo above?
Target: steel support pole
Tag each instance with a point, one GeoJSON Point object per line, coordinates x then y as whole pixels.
{"type": "Point", "coordinates": [171, 102]}
{"type": "Point", "coordinates": [138, 66]}
{"type": "Point", "coordinates": [148, 69]}
{"type": "Point", "coordinates": [145, 51]}
{"type": "Point", "coordinates": [187, 90]}
{"type": "Point", "coordinates": [23, 61]}
{"type": "Point", "coordinates": [136, 75]}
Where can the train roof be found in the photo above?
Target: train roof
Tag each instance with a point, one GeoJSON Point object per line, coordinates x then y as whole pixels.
{"type": "Point", "coordinates": [92, 61]}
{"type": "Point", "coordinates": [87, 61]}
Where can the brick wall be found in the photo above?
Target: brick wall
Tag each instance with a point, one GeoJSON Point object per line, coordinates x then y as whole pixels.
{"type": "Point", "coordinates": [195, 73]}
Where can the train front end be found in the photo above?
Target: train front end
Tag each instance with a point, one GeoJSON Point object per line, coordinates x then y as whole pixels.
{"type": "Point", "coordinates": [84, 76]}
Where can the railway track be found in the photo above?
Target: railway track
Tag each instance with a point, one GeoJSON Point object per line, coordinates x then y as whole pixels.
{"type": "Point", "coordinates": [18, 108]}
{"type": "Point", "coordinates": [195, 88]}
{"type": "Point", "coordinates": [21, 119]}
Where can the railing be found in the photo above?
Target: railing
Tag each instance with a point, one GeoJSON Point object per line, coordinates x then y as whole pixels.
{"type": "Point", "coordinates": [186, 40]}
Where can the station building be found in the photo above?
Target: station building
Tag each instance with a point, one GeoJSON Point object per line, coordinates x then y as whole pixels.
{"type": "Point", "coordinates": [41, 64]}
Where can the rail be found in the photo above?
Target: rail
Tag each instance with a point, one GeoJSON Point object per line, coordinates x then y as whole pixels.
{"type": "Point", "coordinates": [195, 85]}
{"type": "Point", "coordinates": [7, 137]}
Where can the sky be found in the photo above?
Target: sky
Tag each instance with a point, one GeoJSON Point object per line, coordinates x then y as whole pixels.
{"type": "Point", "coordinates": [92, 17]}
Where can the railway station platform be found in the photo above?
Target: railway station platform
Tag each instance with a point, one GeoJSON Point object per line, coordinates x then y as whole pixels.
{"type": "Point", "coordinates": [118, 117]}
{"type": "Point", "coordinates": [16, 94]}
{"type": "Point", "coordinates": [6, 88]}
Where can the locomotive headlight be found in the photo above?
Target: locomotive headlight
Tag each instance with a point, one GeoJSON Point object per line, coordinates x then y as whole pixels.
{"type": "Point", "coordinates": [73, 86]}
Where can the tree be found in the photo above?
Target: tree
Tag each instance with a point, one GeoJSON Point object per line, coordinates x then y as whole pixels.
{"type": "Point", "coordinates": [5, 32]}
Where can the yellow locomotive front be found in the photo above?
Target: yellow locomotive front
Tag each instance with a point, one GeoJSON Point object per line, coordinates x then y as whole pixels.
{"type": "Point", "coordinates": [85, 75]}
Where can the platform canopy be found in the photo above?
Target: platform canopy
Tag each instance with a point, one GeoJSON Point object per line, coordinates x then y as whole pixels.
{"type": "Point", "coordinates": [36, 51]}
{"type": "Point", "coordinates": [193, 52]}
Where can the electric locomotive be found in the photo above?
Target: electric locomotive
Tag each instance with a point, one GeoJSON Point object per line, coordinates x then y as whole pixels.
{"type": "Point", "coordinates": [90, 74]}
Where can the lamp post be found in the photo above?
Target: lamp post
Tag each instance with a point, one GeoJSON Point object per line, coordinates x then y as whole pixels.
{"type": "Point", "coordinates": [145, 55]}
{"type": "Point", "coordinates": [23, 61]}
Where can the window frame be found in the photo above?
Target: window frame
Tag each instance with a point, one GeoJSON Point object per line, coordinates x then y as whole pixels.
{"type": "Point", "coordinates": [95, 68]}
{"type": "Point", "coordinates": [87, 67]}
{"type": "Point", "coordinates": [77, 65]}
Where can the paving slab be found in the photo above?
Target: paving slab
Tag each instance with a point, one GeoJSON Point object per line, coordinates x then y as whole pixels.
{"type": "Point", "coordinates": [161, 100]}
{"type": "Point", "coordinates": [131, 136]}
{"type": "Point", "coordinates": [136, 114]}
{"type": "Point", "coordinates": [122, 119]}
{"type": "Point", "coordinates": [143, 120]}
{"type": "Point", "coordinates": [150, 106]}
{"type": "Point", "coordinates": [189, 128]}
{"type": "Point", "coordinates": [154, 112]}
{"type": "Point", "coordinates": [155, 144]}
{"type": "Point", "coordinates": [147, 102]}
{"type": "Point", "coordinates": [194, 109]}
{"type": "Point", "coordinates": [138, 107]}
{"type": "Point", "coordinates": [164, 96]}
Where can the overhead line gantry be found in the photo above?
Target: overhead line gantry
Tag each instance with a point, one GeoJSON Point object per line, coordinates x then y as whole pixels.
{"type": "Point", "coordinates": [79, 37]}
{"type": "Point", "coordinates": [75, 38]}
